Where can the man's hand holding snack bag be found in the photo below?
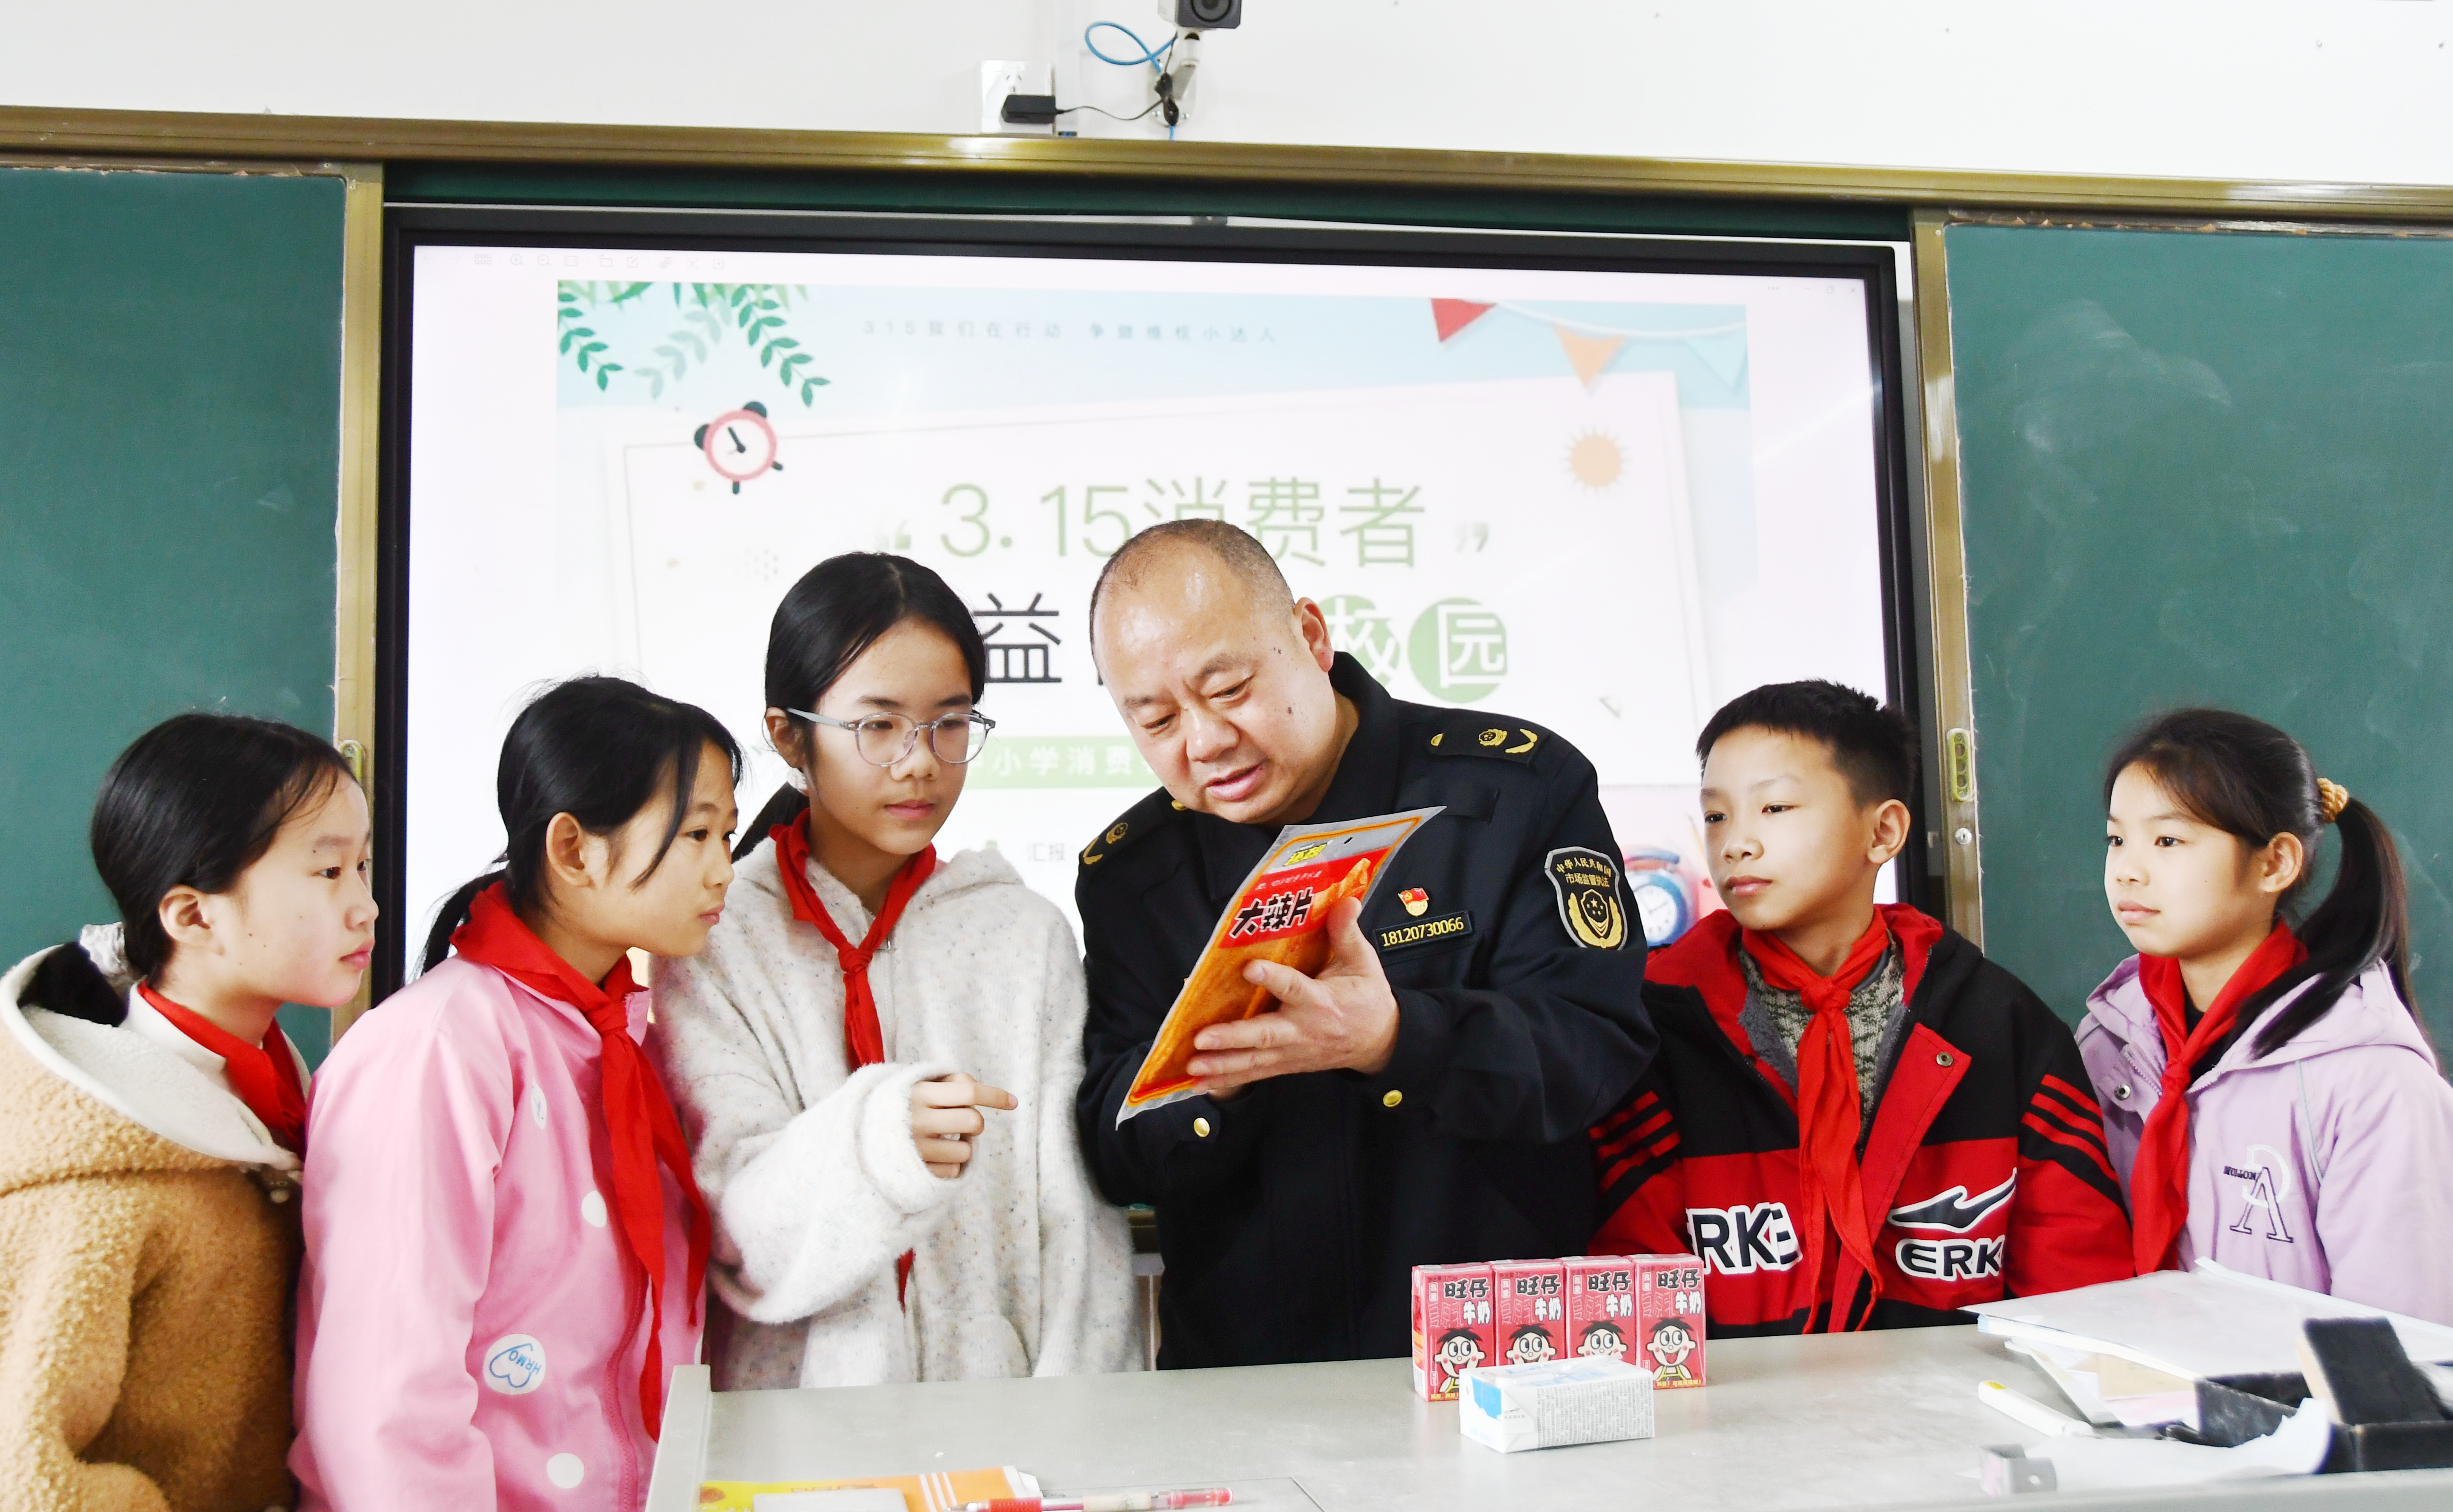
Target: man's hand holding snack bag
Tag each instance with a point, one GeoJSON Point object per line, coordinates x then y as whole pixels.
{"type": "Point", "coordinates": [1343, 1019]}
{"type": "Point", "coordinates": [1290, 982]}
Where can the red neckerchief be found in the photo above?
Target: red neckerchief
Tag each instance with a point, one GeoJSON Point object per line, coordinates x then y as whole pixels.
{"type": "Point", "coordinates": [263, 1076]}
{"type": "Point", "coordinates": [1831, 1185]}
{"type": "Point", "coordinates": [864, 1036]}
{"type": "Point", "coordinates": [2159, 1179]}
{"type": "Point", "coordinates": [639, 1123]}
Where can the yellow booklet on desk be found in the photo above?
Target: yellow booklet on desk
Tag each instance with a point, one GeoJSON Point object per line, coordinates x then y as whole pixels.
{"type": "Point", "coordinates": [938, 1491]}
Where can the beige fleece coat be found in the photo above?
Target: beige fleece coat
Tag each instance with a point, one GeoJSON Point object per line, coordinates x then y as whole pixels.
{"type": "Point", "coordinates": [149, 1243]}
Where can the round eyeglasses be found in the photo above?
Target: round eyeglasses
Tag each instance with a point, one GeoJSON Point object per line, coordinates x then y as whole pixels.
{"type": "Point", "coordinates": [885, 739]}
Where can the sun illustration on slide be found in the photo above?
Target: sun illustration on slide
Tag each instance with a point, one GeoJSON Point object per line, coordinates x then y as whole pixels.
{"type": "Point", "coordinates": [1595, 460]}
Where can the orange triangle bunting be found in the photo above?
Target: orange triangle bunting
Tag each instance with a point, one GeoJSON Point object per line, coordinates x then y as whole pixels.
{"type": "Point", "coordinates": [1588, 355]}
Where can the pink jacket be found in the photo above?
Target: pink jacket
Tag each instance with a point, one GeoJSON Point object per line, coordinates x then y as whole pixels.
{"type": "Point", "coordinates": [2327, 1164]}
{"type": "Point", "coordinates": [471, 1331]}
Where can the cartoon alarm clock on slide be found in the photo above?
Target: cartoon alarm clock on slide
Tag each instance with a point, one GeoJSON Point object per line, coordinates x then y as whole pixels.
{"type": "Point", "coordinates": [740, 444]}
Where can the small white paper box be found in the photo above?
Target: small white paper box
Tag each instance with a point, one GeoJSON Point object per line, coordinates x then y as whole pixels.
{"type": "Point", "coordinates": [1554, 1403]}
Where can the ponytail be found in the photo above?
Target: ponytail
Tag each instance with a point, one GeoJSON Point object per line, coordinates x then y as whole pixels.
{"type": "Point", "coordinates": [449, 918]}
{"type": "Point", "coordinates": [68, 983]}
{"type": "Point", "coordinates": [2251, 780]}
{"type": "Point", "coordinates": [600, 749]}
{"type": "Point", "coordinates": [788, 804]}
{"type": "Point", "coordinates": [2364, 920]}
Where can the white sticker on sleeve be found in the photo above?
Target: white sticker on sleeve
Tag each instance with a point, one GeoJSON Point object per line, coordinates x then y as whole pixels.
{"type": "Point", "coordinates": [514, 1365]}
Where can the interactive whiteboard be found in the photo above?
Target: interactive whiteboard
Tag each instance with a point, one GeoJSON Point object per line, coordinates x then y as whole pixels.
{"type": "Point", "coordinates": [1603, 499]}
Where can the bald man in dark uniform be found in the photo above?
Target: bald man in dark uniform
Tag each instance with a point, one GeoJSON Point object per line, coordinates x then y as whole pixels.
{"type": "Point", "coordinates": [1423, 1097]}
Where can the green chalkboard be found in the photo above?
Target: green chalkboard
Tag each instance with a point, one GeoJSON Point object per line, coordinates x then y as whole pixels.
{"type": "Point", "coordinates": [2202, 466]}
{"type": "Point", "coordinates": [169, 413]}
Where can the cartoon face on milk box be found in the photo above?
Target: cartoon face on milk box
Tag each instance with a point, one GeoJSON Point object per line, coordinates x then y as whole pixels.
{"type": "Point", "coordinates": [1601, 1305]}
{"type": "Point", "coordinates": [1669, 1317]}
{"type": "Point", "coordinates": [1532, 1309]}
{"type": "Point", "coordinates": [1452, 1328]}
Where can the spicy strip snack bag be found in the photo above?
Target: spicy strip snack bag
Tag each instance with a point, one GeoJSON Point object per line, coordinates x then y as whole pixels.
{"type": "Point", "coordinates": [1278, 915]}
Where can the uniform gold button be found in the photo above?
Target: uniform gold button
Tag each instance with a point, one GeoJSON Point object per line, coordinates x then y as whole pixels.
{"type": "Point", "coordinates": [1201, 1127]}
{"type": "Point", "coordinates": [1391, 1098]}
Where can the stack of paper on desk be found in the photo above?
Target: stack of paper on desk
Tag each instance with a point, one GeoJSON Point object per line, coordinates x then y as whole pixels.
{"type": "Point", "coordinates": [2209, 1321]}
{"type": "Point", "coordinates": [2107, 1390]}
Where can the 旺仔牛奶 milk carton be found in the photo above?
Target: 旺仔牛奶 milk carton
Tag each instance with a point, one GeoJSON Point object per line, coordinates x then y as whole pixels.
{"type": "Point", "coordinates": [1601, 1306]}
{"type": "Point", "coordinates": [1530, 1302]}
{"type": "Point", "coordinates": [1452, 1326]}
{"type": "Point", "coordinates": [1668, 1319]}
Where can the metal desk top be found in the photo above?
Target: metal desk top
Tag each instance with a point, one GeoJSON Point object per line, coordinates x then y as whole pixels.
{"type": "Point", "coordinates": [1861, 1420]}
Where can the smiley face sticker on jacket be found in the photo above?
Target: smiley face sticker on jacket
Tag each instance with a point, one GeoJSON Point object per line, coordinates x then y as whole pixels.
{"type": "Point", "coordinates": [1586, 883]}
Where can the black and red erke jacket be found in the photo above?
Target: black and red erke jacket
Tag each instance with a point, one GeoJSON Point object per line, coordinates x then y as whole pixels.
{"type": "Point", "coordinates": [1983, 1159]}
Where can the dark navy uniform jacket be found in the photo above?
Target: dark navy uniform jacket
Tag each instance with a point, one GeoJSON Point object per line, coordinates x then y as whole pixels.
{"type": "Point", "coordinates": [1291, 1216]}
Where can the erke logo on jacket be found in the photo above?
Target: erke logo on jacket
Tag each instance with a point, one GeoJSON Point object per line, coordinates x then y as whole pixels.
{"type": "Point", "coordinates": [1741, 1239]}
{"type": "Point", "coordinates": [1954, 1211]}
{"type": "Point", "coordinates": [1761, 1236]}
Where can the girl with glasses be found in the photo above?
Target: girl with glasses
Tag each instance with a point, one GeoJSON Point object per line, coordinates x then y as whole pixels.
{"type": "Point", "coordinates": [876, 1055]}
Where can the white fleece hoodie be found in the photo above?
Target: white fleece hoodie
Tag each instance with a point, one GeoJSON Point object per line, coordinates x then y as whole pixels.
{"type": "Point", "coordinates": [1020, 1267]}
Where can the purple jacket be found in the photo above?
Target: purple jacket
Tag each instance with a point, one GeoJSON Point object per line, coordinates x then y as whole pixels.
{"type": "Point", "coordinates": [2327, 1164]}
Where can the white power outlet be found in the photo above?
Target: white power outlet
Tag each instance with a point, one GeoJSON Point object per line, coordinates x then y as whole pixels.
{"type": "Point", "coordinates": [1000, 77]}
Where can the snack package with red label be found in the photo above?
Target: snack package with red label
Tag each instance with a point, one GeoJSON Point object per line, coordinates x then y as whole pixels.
{"type": "Point", "coordinates": [1451, 1327]}
{"type": "Point", "coordinates": [1532, 1310]}
{"type": "Point", "coordinates": [1668, 1319]}
{"type": "Point", "coordinates": [1278, 915]}
{"type": "Point", "coordinates": [1601, 1305]}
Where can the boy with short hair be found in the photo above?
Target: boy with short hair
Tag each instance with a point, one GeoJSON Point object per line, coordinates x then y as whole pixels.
{"type": "Point", "coordinates": [1855, 1120]}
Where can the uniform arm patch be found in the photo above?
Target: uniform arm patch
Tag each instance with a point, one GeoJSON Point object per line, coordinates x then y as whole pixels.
{"type": "Point", "coordinates": [1586, 883]}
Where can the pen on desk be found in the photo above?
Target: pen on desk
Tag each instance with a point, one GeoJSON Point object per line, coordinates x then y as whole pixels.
{"type": "Point", "coordinates": [2027, 1410]}
{"type": "Point", "coordinates": [1127, 1502]}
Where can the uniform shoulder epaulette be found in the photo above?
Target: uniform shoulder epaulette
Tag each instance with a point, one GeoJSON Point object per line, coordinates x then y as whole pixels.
{"type": "Point", "coordinates": [1491, 738]}
{"type": "Point", "coordinates": [1134, 824]}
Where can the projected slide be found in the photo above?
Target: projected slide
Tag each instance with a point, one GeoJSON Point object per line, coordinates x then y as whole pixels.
{"type": "Point", "coordinates": [1601, 501]}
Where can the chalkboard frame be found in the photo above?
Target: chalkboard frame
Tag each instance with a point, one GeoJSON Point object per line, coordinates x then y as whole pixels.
{"type": "Point", "coordinates": [938, 158]}
{"type": "Point", "coordinates": [1873, 264]}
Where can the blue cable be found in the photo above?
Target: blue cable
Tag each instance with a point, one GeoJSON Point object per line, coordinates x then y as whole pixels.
{"type": "Point", "coordinates": [1156, 60]}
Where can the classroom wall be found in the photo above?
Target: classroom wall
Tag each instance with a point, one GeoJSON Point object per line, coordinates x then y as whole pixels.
{"type": "Point", "coordinates": [2352, 91]}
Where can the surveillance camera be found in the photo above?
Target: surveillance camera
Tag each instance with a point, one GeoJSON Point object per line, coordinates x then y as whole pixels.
{"type": "Point", "coordinates": [1201, 15]}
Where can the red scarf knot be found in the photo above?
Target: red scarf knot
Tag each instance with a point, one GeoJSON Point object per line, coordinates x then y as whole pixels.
{"type": "Point", "coordinates": [864, 1036]}
{"type": "Point", "coordinates": [2158, 1178]}
{"type": "Point", "coordinates": [1831, 1186]}
{"type": "Point", "coordinates": [265, 1076]}
{"type": "Point", "coordinates": [864, 1040]}
{"type": "Point", "coordinates": [641, 1128]}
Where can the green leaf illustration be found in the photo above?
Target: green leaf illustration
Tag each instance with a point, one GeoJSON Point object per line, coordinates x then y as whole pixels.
{"type": "Point", "coordinates": [757, 311]}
